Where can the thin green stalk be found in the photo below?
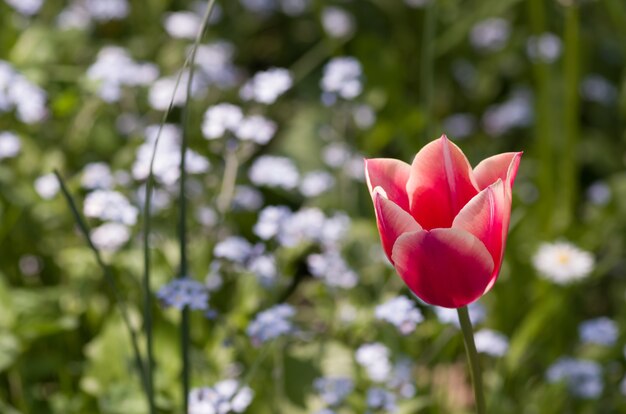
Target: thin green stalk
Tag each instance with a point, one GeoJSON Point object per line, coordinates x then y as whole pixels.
{"type": "Point", "coordinates": [182, 225]}
{"type": "Point", "coordinates": [543, 130]}
{"type": "Point", "coordinates": [147, 207]}
{"type": "Point", "coordinates": [84, 228]}
{"type": "Point", "coordinates": [225, 196]}
{"type": "Point", "coordinates": [571, 72]}
{"type": "Point", "coordinates": [472, 358]}
{"type": "Point", "coordinates": [427, 81]}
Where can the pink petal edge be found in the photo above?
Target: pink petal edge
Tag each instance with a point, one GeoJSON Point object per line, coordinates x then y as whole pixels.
{"type": "Point", "coordinates": [392, 221]}
{"type": "Point", "coordinates": [440, 184]}
{"type": "Point", "coordinates": [390, 174]}
{"type": "Point", "coordinates": [487, 217]}
{"type": "Point", "coordinates": [503, 166]}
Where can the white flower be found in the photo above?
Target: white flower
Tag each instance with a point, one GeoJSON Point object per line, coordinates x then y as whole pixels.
{"type": "Point", "coordinates": [601, 331]}
{"type": "Point", "coordinates": [270, 221]}
{"type": "Point", "coordinates": [402, 378]}
{"type": "Point", "coordinates": [74, 16]}
{"type": "Point", "coordinates": [332, 269]}
{"type": "Point", "coordinates": [96, 175]}
{"type": "Point", "coordinates": [459, 126]}
{"type": "Point", "coordinates": [182, 24]}
{"type": "Point", "coordinates": [109, 205]}
{"type": "Point", "coordinates": [490, 35]}
{"type": "Point", "coordinates": [17, 92]}
{"type": "Point", "coordinates": [364, 116]}
{"type": "Point", "coordinates": [375, 359]}
{"type": "Point", "coordinates": [491, 342]}
{"type": "Point", "coordinates": [342, 75]}
{"type": "Point", "coordinates": [381, 400]}
{"type": "Point", "coordinates": [517, 111]}
{"type": "Point", "coordinates": [562, 262]}
{"type": "Point", "coordinates": [221, 118]}
{"type": "Point", "coordinates": [336, 154]}
{"type": "Point", "coordinates": [271, 323]}
{"type": "Point", "coordinates": [274, 171]}
{"type": "Point", "coordinates": [225, 397]}
{"type": "Point", "coordinates": [26, 7]}
{"type": "Point", "coordinates": [166, 168]}
{"type": "Point", "coordinates": [400, 312]}
{"type": "Point", "coordinates": [256, 128]}
{"type": "Point", "coordinates": [598, 89]}
{"type": "Point", "coordinates": [265, 87]}
{"type": "Point", "coordinates": [10, 145]}
{"type": "Point", "coordinates": [29, 100]}
{"type": "Point", "coordinates": [234, 248]}
{"type": "Point", "coordinates": [115, 68]}
{"type": "Point", "coordinates": [544, 48]}
{"type": "Point", "coordinates": [316, 183]}
{"type": "Point", "coordinates": [105, 10]}
{"type": "Point", "coordinates": [247, 198]}
{"type": "Point", "coordinates": [337, 22]}
{"type": "Point", "coordinates": [583, 378]}
{"type": "Point", "coordinates": [333, 390]}
{"type": "Point", "coordinates": [417, 3]}
{"type": "Point", "coordinates": [305, 225]}
{"type": "Point", "coordinates": [215, 62]}
{"type": "Point", "coordinates": [161, 91]}
{"type": "Point", "coordinates": [264, 268]}
{"type": "Point", "coordinates": [47, 186]}
{"type": "Point", "coordinates": [110, 236]}
{"type": "Point", "coordinates": [599, 193]}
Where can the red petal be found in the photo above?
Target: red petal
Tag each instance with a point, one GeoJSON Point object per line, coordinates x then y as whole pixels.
{"type": "Point", "coordinates": [391, 175]}
{"type": "Point", "coordinates": [440, 184]}
{"type": "Point", "coordinates": [392, 221]}
{"type": "Point", "coordinates": [487, 217]}
{"type": "Point", "coordinates": [443, 267]}
{"type": "Point", "coordinates": [503, 166]}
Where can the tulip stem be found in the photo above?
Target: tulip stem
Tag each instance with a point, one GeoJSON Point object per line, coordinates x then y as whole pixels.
{"type": "Point", "coordinates": [472, 358]}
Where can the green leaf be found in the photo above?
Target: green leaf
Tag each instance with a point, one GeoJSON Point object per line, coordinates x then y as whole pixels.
{"type": "Point", "coordinates": [9, 350]}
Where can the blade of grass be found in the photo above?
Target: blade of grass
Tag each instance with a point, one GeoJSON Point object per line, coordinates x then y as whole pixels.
{"type": "Point", "coordinates": [106, 270]}
{"type": "Point", "coordinates": [571, 76]}
{"type": "Point", "coordinates": [542, 131]}
{"type": "Point", "coordinates": [427, 80]}
{"type": "Point", "coordinates": [182, 225]}
{"type": "Point", "coordinates": [147, 218]}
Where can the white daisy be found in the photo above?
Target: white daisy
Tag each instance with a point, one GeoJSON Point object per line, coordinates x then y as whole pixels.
{"type": "Point", "coordinates": [562, 262]}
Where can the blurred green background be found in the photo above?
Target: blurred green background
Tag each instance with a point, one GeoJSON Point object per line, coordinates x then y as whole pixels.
{"type": "Point", "coordinates": [543, 77]}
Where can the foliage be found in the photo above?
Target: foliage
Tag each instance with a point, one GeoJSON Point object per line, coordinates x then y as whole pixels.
{"type": "Point", "coordinates": [495, 75]}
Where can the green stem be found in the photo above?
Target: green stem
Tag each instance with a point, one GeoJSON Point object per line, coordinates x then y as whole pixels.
{"type": "Point", "coordinates": [427, 80]}
{"type": "Point", "coordinates": [571, 76]}
{"type": "Point", "coordinates": [84, 228]}
{"type": "Point", "coordinates": [472, 358]}
{"type": "Point", "coordinates": [543, 131]}
{"type": "Point", "coordinates": [182, 224]}
{"type": "Point", "coordinates": [225, 197]}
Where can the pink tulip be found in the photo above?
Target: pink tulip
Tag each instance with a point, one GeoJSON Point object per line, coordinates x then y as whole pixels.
{"type": "Point", "coordinates": [443, 225]}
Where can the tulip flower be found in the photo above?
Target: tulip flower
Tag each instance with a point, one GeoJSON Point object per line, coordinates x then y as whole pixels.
{"type": "Point", "coordinates": [443, 225]}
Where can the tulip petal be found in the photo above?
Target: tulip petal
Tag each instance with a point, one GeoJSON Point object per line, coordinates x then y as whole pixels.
{"type": "Point", "coordinates": [503, 166]}
{"type": "Point", "coordinates": [443, 267]}
{"type": "Point", "coordinates": [440, 184]}
{"type": "Point", "coordinates": [391, 175]}
{"type": "Point", "coordinates": [487, 217]}
{"type": "Point", "coordinates": [392, 221]}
